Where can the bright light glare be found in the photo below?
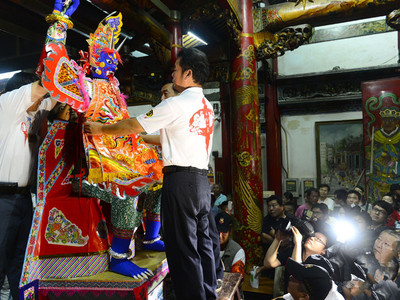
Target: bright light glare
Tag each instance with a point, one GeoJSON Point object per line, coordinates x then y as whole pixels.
{"type": "Point", "coordinates": [344, 231]}
{"type": "Point", "coordinates": [196, 37]}
{"type": "Point", "coordinates": [8, 74]}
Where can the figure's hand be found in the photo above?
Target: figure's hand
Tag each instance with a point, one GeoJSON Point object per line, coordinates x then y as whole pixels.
{"type": "Point", "coordinates": [297, 237]}
{"type": "Point", "coordinates": [58, 5]}
{"type": "Point", "coordinates": [72, 8]}
{"type": "Point", "coordinates": [93, 128]}
{"type": "Point", "coordinates": [67, 7]}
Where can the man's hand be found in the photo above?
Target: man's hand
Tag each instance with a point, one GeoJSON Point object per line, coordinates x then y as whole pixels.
{"type": "Point", "coordinates": [280, 236]}
{"type": "Point", "coordinates": [93, 128]}
{"type": "Point", "coordinates": [297, 237]}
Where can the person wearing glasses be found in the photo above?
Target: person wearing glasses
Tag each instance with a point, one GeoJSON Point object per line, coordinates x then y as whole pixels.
{"type": "Point", "coordinates": [379, 214]}
{"type": "Point", "coordinates": [315, 244]}
{"type": "Point", "coordinates": [382, 263]}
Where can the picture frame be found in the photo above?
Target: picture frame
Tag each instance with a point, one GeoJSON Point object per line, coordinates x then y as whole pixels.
{"type": "Point", "coordinates": [340, 154]}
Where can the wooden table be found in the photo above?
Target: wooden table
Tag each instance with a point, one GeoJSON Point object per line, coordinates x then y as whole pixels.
{"type": "Point", "coordinates": [265, 286]}
{"type": "Point", "coordinates": [230, 286]}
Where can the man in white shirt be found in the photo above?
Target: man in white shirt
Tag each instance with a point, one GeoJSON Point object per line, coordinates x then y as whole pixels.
{"type": "Point", "coordinates": [323, 196]}
{"type": "Point", "coordinates": [186, 124]}
{"type": "Point", "coordinates": [18, 106]}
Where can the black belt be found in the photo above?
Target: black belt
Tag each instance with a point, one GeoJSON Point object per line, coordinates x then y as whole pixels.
{"type": "Point", "coordinates": [12, 188]}
{"type": "Point", "coordinates": [173, 169]}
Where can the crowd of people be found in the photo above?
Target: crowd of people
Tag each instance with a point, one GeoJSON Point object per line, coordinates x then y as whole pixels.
{"type": "Point", "coordinates": [355, 242]}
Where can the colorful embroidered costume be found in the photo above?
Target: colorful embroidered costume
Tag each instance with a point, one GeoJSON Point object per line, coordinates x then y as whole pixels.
{"type": "Point", "coordinates": [120, 168]}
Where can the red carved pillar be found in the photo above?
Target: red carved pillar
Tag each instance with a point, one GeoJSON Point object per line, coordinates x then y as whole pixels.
{"type": "Point", "coordinates": [176, 36]}
{"type": "Point", "coordinates": [246, 143]}
{"type": "Point", "coordinates": [274, 144]}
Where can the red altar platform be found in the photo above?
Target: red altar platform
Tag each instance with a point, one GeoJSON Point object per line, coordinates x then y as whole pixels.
{"type": "Point", "coordinates": [105, 285]}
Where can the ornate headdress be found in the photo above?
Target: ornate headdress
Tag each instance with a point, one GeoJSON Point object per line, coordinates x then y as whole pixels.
{"type": "Point", "coordinates": [390, 112]}
{"type": "Point", "coordinates": [106, 36]}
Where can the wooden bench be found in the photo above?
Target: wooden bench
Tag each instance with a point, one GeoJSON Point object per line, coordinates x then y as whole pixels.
{"type": "Point", "coordinates": [230, 286]}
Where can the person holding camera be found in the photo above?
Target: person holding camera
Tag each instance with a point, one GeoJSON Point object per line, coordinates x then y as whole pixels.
{"type": "Point", "coordinates": [314, 243]}
{"type": "Point", "coordinates": [276, 215]}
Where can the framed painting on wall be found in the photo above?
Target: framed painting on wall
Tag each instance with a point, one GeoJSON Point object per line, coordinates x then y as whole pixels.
{"type": "Point", "coordinates": [340, 154]}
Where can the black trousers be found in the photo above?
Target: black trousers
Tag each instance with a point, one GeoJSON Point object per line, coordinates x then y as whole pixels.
{"type": "Point", "coordinates": [216, 245]}
{"type": "Point", "coordinates": [185, 208]}
{"type": "Point", "coordinates": [15, 224]}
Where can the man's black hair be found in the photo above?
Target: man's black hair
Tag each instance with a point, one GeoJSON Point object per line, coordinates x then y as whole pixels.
{"type": "Point", "coordinates": [195, 60]}
{"type": "Point", "coordinates": [288, 196]}
{"type": "Point", "coordinates": [275, 197]}
{"type": "Point", "coordinates": [394, 187]}
{"type": "Point", "coordinates": [355, 192]}
{"type": "Point", "coordinates": [391, 194]}
{"type": "Point", "coordinates": [360, 187]}
{"type": "Point", "coordinates": [324, 185]}
{"type": "Point", "coordinates": [386, 206]}
{"type": "Point", "coordinates": [322, 206]}
{"type": "Point", "coordinates": [173, 87]}
{"type": "Point", "coordinates": [363, 214]}
{"type": "Point", "coordinates": [341, 194]}
{"type": "Point", "coordinates": [20, 79]}
{"type": "Point", "coordinates": [310, 190]}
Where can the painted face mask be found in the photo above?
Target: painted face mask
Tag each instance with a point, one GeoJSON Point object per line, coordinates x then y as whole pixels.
{"type": "Point", "coordinates": [107, 66]}
{"type": "Point", "coordinates": [103, 57]}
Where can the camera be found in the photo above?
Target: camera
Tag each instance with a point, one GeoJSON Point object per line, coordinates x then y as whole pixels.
{"type": "Point", "coordinates": [306, 228]}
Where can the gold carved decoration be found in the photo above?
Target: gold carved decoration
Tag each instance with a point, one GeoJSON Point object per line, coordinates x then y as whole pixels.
{"type": "Point", "coordinates": [250, 200]}
{"type": "Point", "coordinates": [219, 72]}
{"type": "Point", "coordinates": [393, 19]}
{"type": "Point", "coordinates": [304, 2]}
{"type": "Point", "coordinates": [251, 116]}
{"type": "Point", "coordinates": [245, 95]}
{"type": "Point", "coordinates": [162, 53]}
{"type": "Point", "coordinates": [273, 45]}
{"type": "Point", "coordinates": [244, 158]}
{"type": "Point", "coordinates": [202, 13]}
{"type": "Point", "coordinates": [213, 11]}
{"type": "Point", "coordinates": [235, 29]}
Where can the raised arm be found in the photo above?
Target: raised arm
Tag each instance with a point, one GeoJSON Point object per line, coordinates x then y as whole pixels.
{"type": "Point", "coordinates": [297, 251]}
{"type": "Point", "coordinates": [59, 20]}
{"type": "Point", "coordinates": [123, 127]}
{"type": "Point", "coordinates": [271, 257]}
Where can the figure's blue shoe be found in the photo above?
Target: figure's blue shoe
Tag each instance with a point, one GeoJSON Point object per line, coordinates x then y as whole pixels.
{"type": "Point", "coordinates": [128, 268]}
{"type": "Point", "coordinates": [151, 239]}
{"type": "Point", "coordinates": [120, 263]}
{"type": "Point", "coordinates": [156, 245]}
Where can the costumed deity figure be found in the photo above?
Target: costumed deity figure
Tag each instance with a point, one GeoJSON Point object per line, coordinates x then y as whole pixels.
{"type": "Point", "coordinates": [387, 144]}
{"type": "Point", "coordinates": [386, 151]}
{"type": "Point", "coordinates": [119, 167]}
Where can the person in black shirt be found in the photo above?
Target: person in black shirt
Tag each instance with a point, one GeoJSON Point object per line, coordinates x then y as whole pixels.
{"type": "Point", "coordinates": [276, 213]}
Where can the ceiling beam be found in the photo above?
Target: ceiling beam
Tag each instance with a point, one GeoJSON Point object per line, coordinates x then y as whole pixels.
{"type": "Point", "coordinates": [21, 32]}
{"type": "Point", "coordinates": [138, 20]}
{"type": "Point", "coordinates": [323, 12]}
